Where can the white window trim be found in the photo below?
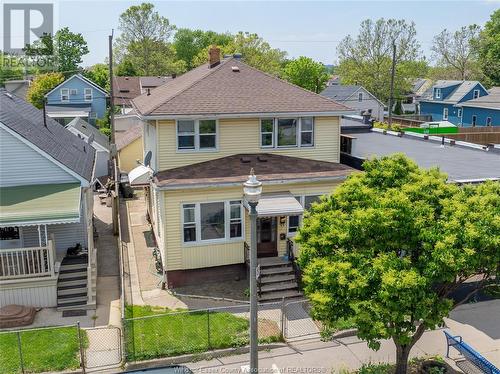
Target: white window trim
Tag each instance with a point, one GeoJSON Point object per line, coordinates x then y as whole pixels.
{"type": "Point", "coordinates": [227, 224]}
{"type": "Point", "coordinates": [301, 216]}
{"type": "Point", "coordinates": [85, 94]}
{"type": "Point", "coordinates": [459, 112]}
{"type": "Point", "coordinates": [478, 92]}
{"type": "Point", "coordinates": [297, 134]}
{"type": "Point", "coordinates": [197, 148]}
{"type": "Point", "coordinates": [266, 132]}
{"type": "Point", "coordinates": [437, 94]}
{"type": "Point", "coordinates": [360, 97]}
{"type": "Point", "coordinates": [63, 94]}
{"type": "Point", "coordinates": [445, 117]}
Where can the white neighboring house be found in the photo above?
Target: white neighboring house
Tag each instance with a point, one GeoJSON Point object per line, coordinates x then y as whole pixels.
{"type": "Point", "coordinates": [100, 143]}
{"type": "Point", "coordinates": [46, 207]}
{"type": "Point", "coordinates": [356, 97]}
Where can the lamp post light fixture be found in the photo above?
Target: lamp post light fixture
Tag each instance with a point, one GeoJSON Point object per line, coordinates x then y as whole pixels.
{"type": "Point", "coordinates": [252, 189]}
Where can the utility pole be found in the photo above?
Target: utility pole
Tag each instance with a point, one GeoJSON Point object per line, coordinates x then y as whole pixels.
{"type": "Point", "coordinates": [111, 93]}
{"type": "Point", "coordinates": [393, 73]}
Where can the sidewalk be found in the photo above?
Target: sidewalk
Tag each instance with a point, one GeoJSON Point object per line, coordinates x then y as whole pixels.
{"type": "Point", "coordinates": [350, 353]}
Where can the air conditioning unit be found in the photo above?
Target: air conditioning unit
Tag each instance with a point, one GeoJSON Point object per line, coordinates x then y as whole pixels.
{"type": "Point", "coordinates": [73, 91]}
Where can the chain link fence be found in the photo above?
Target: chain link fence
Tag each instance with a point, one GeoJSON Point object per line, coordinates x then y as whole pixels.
{"type": "Point", "coordinates": [41, 350]}
{"type": "Point", "coordinates": [184, 332]}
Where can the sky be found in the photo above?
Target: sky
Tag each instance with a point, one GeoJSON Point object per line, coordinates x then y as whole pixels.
{"type": "Point", "coordinates": [302, 28]}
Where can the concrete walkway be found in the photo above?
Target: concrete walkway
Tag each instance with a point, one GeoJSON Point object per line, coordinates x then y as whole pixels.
{"type": "Point", "coordinates": [141, 279]}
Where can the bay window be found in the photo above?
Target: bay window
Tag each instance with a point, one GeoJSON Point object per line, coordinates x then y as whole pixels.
{"type": "Point", "coordinates": [287, 132]}
{"type": "Point", "coordinates": [212, 221]}
{"type": "Point", "coordinates": [197, 134]}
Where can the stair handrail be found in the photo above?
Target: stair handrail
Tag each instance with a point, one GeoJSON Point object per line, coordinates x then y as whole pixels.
{"type": "Point", "coordinates": [291, 257]}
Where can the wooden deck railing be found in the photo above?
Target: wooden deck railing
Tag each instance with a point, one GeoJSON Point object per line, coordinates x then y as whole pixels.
{"type": "Point", "coordinates": [31, 262]}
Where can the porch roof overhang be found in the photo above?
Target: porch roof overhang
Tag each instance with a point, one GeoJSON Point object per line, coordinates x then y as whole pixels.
{"type": "Point", "coordinates": [140, 176]}
{"type": "Point", "coordinates": [40, 204]}
{"type": "Point", "coordinates": [278, 204]}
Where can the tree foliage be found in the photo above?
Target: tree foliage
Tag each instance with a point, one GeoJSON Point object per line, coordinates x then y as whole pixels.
{"type": "Point", "coordinates": [389, 247]}
{"type": "Point", "coordinates": [489, 49]}
{"type": "Point", "coordinates": [189, 43]}
{"type": "Point", "coordinates": [366, 59]}
{"type": "Point", "coordinates": [255, 52]}
{"type": "Point", "coordinates": [144, 42]}
{"type": "Point", "coordinates": [458, 50]}
{"type": "Point", "coordinates": [99, 74]}
{"type": "Point", "coordinates": [306, 73]}
{"type": "Point", "coordinates": [41, 85]}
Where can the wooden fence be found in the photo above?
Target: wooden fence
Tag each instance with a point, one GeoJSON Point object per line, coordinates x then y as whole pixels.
{"type": "Point", "coordinates": [478, 135]}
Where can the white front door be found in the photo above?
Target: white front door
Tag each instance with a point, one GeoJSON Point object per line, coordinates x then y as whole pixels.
{"type": "Point", "coordinates": [11, 237]}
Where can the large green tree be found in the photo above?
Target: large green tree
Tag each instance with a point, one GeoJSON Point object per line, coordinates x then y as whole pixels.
{"type": "Point", "coordinates": [144, 42]}
{"type": "Point", "coordinates": [489, 49]}
{"type": "Point", "coordinates": [366, 59]}
{"type": "Point", "coordinates": [306, 73]}
{"type": "Point", "coordinates": [42, 84]}
{"type": "Point", "coordinates": [66, 47]}
{"type": "Point", "coordinates": [388, 248]}
{"type": "Point", "coordinates": [99, 74]}
{"type": "Point", "coordinates": [189, 43]}
{"type": "Point", "coordinates": [255, 51]}
{"type": "Point", "coordinates": [458, 51]}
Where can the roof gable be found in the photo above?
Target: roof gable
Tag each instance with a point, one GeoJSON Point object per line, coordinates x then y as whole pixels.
{"type": "Point", "coordinates": [80, 77]}
{"type": "Point", "coordinates": [232, 87]}
{"type": "Point", "coordinates": [53, 140]}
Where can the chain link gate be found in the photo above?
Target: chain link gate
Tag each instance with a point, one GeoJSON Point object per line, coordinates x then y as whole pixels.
{"type": "Point", "coordinates": [297, 322]}
{"type": "Point", "coordinates": [103, 348]}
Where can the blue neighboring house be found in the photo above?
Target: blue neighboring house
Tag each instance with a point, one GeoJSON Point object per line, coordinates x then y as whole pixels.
{"type": "Point", "coordinates": [79, 97]}
{"type": "Point", "coordinates": [483, 111]}
{"type": "Point", "coordinates": [442, 101]}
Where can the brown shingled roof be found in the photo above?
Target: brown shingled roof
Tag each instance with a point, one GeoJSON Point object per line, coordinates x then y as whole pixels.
{"type": "Point", "coordinates": [232, 87]}
{"type": "Point", "coordinates": [125, 89]}
{"type": "Point", "coordinates": [235, 169]}
{"type": "Point", "coordinates": [124, 139]}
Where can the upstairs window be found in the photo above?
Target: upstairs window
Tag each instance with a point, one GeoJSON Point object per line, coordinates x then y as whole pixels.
{"type": "Point", "coordinates": [360, 96]}
{"type": "Point", "coordinates": [287, 132]}
{"type": "Point", "coordinates": [266, 133]}
{"type": "Point", "coordinates": [445, 114]}
{"type": "Point", "coordinates": [459, 112]}
{"type": "Point", "coordinates": [437, 93]}
{"type": "Point", "coordinates": [64, 94]}
{"type": "Point", "coordinates": [196, 135]}
{"type": "Point", "coordinates": [488, 121]}
{"type": "Point", "coordinates": [87, 94]}
{"type": "Point", "coordinates": [475, 94]}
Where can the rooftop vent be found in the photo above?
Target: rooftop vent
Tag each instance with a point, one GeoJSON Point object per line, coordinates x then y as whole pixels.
{"type": "Point", "coordinates": [236, 69]}
{"type": "Point", "coordinates": [244, 160]}
{"type": "Point", "coordinates": [262, 159]}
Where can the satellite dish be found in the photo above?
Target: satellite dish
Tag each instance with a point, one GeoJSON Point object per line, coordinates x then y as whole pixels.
{"type": "Point", "coordinates": [147, 159]}
{"type": "Point", "coordinates": [90, 139]}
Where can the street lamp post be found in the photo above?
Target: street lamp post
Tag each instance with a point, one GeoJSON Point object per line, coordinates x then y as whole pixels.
{"type": "Point", "coordinates": [252, 189]}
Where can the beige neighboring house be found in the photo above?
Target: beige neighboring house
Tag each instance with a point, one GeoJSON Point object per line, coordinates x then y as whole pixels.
{"type": "Point", "coordinates": [205, 130]}
{"type": "Point", "coordinates": [130, 148]}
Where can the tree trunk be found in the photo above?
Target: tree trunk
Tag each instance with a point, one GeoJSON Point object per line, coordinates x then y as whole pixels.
{"type": "Point", "coordinates": [402, 353]}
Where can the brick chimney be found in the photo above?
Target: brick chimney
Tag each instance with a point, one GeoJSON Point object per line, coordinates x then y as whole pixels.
{"type": "Point", "coordinates": [213, 56]}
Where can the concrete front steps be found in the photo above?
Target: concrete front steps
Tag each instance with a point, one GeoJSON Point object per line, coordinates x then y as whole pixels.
{"type": "Point", "coordinates": [277, 280]}
{"type": "Point", "coordinates": [72, 285]}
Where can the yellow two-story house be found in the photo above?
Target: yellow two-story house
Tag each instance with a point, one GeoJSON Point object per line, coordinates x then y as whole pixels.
{"type": "Point", "coordinates": [205, 130]}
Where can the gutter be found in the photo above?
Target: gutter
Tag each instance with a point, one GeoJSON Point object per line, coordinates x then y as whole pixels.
{"type": "Point", "coordinates": [239, 184]}
{"type": "Point", "coordinates": [245, 115]}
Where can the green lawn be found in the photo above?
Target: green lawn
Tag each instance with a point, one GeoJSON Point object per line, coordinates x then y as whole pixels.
{"type": "Point", "coordinates": [52, 349]}
{"type": "Point", "coordinates": [180, 332]}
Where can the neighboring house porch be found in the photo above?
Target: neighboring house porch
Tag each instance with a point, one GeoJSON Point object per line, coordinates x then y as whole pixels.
{"type": "Point", "coordinates": [39, 224]}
